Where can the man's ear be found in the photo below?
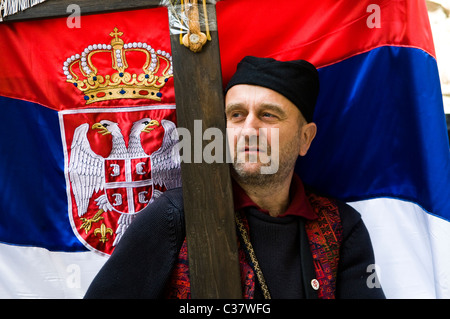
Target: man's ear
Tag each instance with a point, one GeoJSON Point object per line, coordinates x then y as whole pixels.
{"type": "Point", "coordinates": [308, 132]}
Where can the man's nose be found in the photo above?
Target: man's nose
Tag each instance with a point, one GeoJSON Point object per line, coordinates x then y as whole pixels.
{"type": "Point", "coordinates": [251, 125]}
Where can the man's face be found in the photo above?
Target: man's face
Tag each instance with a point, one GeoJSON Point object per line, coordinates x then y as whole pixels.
{"type": "Point", "coordinates": [265, 130]}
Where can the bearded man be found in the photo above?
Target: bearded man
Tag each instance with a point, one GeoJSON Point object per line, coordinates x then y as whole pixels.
{"type": "Point", "coordinates": [293, 242]}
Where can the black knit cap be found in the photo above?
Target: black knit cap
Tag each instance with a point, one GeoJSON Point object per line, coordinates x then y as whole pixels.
{"type": "Point", "coordinates": [297, 80]}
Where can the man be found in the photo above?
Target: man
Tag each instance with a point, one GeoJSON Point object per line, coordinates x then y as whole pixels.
{"type": "Point", "coordinates": [292, 242]}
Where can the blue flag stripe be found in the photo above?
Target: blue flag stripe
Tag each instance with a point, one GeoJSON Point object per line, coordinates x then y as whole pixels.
{"type": "Point", "coordinates": [33, 210]}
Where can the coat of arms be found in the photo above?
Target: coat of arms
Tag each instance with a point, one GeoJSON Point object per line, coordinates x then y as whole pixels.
{"type": "Point", "coordinates": [108, 191]}
{"type": "Point", "coordinates": [118, 159]}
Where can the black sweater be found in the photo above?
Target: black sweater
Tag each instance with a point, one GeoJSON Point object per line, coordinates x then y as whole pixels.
{"type": "Point", "coordinates": [141, 264]}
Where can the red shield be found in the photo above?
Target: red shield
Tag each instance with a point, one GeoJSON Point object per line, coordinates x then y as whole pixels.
{"type": "Point", "coordinates": [105, 192]}
{"type": "Point", "coordinates": [128, 184]}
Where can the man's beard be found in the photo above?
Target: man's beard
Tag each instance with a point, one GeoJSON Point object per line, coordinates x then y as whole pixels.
{"type": "Point", "coordinates": [253, 176]}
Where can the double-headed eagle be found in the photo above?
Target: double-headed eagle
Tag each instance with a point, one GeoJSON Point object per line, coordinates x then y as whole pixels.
{"type": "Point", "coordinates": [87, 169]}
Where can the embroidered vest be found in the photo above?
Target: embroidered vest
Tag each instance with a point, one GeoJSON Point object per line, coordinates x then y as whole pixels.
{"type": "Point", "coordinates": [324, 235]}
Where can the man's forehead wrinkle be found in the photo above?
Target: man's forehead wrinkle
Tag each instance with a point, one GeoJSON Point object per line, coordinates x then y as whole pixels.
{"type": "Point", "coordinates": [233, 106]}
{"type": "Point", "coordinates": [263, 104]}
{"type": "Point", "coordinates": [260, 107]}
{"type": "Point", "coordinates": [273, 106]}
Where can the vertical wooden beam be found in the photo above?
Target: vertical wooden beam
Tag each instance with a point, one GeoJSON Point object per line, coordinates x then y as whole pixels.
{"type": "Point", "coordinates": [208, 202]}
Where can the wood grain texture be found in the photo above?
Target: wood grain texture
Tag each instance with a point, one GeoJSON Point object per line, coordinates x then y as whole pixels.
{"type": "Point", "coordinates": [58, 8]}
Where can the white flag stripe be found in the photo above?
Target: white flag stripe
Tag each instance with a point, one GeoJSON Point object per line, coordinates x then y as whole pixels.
{"type": "Point", "coordinates": [411, 248]}
{"type": "Point", "coordinates": [33, 272]}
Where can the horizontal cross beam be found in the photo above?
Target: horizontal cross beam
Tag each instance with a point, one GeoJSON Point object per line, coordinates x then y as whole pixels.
{"type": "Point", "coordinates": [58, 8]}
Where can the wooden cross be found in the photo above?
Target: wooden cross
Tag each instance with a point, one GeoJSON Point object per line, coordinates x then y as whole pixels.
{"type": "Point", "coordinates": [207, 192]}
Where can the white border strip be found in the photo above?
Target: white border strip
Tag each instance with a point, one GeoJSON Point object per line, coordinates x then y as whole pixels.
{"type": "Point", "coordinates": [120, 109]}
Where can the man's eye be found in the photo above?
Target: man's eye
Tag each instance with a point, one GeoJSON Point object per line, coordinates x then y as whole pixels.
{"type": "Point", "coordinates": [265, 114]}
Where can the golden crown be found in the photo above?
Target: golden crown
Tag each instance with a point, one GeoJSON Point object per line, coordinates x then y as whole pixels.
{"type": "Point", "coordinates": [156, 70]}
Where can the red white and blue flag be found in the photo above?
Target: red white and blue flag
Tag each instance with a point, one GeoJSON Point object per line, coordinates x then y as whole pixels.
{"type": "Point", "coordinates": [78, 158]}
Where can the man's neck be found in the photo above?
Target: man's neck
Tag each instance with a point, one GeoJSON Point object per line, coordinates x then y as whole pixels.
{"type": "Point", "coordinates": [271, 197]}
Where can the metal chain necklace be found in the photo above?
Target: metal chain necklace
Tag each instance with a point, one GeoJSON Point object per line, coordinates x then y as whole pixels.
{"type": "Point", "coordinates": [252, 255]}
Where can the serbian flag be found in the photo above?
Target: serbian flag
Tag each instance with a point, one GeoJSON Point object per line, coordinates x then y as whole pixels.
{"type": "Point", "coordinates": [77, 156]}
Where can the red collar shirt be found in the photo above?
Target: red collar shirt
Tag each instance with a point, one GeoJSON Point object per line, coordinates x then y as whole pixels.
{"type": "Point", "coordinates": [299, 204]}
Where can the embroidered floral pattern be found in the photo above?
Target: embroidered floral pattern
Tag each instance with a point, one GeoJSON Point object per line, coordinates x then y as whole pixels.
{"type": "Point", "coordinates": [325, 237]}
